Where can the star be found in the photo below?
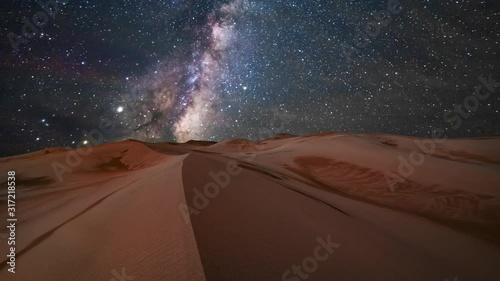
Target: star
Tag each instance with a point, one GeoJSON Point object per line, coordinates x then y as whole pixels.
{"type": "Point", "coordinates": [177, 70]}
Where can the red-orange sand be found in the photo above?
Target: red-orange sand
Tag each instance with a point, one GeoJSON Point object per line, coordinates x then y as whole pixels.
{"type": "Point", "coordinates": [258, 209]}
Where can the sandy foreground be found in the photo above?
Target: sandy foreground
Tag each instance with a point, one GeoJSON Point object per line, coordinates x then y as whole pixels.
{"type": "Point", "coordinates": [347, 207]}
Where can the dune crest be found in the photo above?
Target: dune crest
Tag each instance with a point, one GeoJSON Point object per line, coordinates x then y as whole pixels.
{"type": "Point", "coordinates": [245, 210]}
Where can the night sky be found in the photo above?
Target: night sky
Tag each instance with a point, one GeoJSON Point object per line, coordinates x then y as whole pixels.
{"type": "Point", "coordinates": [177, 70]}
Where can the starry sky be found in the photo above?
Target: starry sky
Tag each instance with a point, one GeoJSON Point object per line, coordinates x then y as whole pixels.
{"type": "Point", "coordinates": [177, 70]}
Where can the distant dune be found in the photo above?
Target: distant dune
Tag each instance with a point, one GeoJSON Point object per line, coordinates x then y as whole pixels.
{"type": "Point", "coordinates": [397, 208]}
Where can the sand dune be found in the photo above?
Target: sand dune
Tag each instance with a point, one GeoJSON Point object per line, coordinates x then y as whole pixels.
{"type": "Point", "coordinates": [243, 210]}
{"type": "Point", "coordinates": [117, 209]}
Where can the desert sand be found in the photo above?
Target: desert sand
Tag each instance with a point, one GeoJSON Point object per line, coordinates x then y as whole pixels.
{"type": "Point", "coordinates": [243, 210]}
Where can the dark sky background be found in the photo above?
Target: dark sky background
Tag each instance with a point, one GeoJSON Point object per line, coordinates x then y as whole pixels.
{"type": "Point", "coordinates": [177, 70]}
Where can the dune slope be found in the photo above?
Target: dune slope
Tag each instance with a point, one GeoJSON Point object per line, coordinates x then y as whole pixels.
{"type": "Point", "coordinates": [243, 210]}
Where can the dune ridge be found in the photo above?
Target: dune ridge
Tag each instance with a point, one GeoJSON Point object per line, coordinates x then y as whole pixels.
{"type": "Point", "coordinates": [120, 208]}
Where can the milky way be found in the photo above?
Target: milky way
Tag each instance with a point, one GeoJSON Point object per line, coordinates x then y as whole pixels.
{"type": "Point", "coordinates": [186, 97]}
{"type": "Point", "coordinates": [217, 69]}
